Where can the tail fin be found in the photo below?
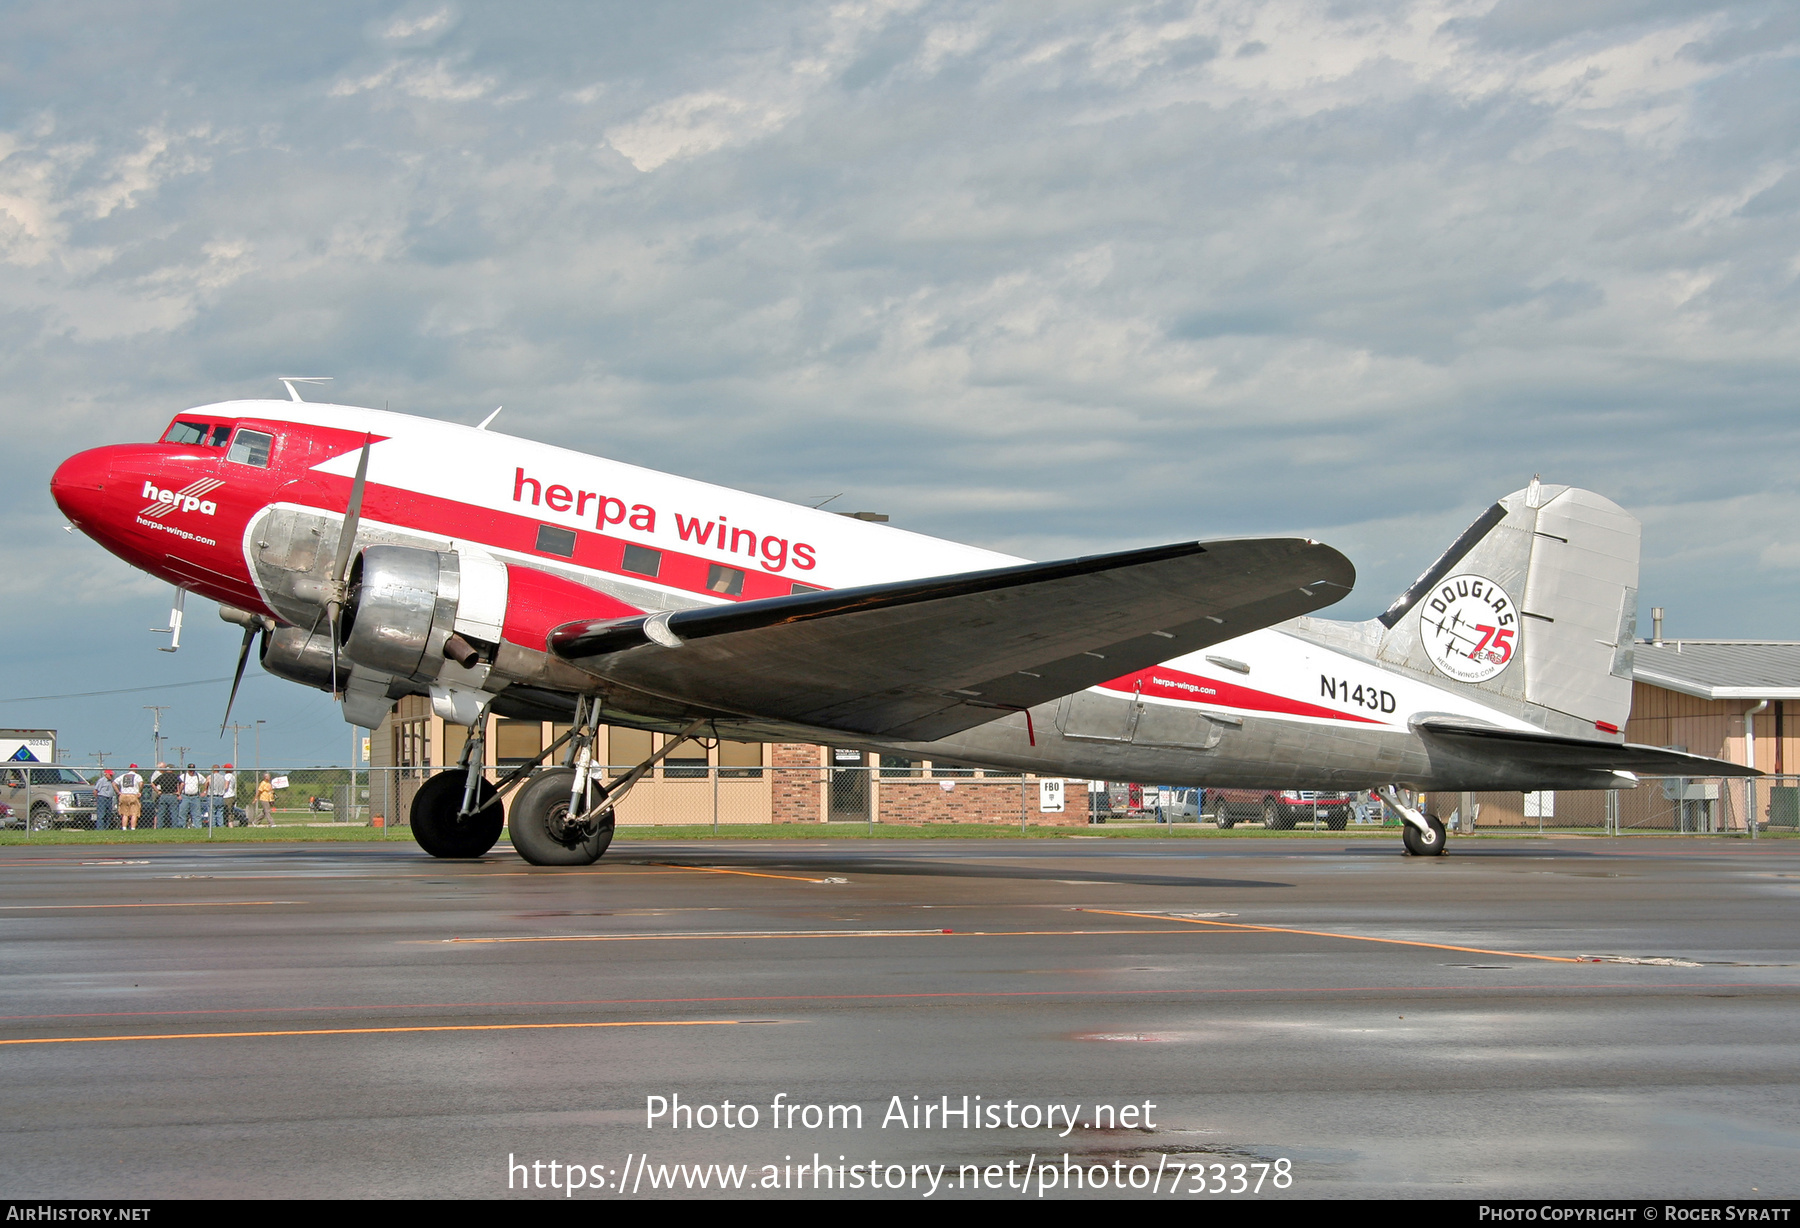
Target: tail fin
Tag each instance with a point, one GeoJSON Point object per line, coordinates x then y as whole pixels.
{"type": "Point", "coordinates": [1536, 601]}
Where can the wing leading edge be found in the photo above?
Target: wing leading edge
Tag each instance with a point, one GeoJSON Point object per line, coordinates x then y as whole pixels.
{"type": "Point", "coordinates": [922, 659]}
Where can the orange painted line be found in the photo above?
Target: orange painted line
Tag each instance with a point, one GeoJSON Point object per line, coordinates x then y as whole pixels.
{"type": "Point", "coordinates": [451, 1027]}
{"type": "Point", "coordinates": [177, 904]}
{"type": "Point", "coordinates": [1398, 942]}
{"type": "Point", "coordinates": [746, 873]}
{"type": "Point", "coordinates": [688, 937]}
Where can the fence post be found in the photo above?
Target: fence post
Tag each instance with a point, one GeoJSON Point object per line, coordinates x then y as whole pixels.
{"type": "Point", "coordinates": [715, 783]}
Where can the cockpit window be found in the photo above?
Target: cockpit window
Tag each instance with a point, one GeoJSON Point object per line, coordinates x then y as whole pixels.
{"type": "Point", "coordinates": [186, 432]}
{"type": "Point", "coordinates": [251, 448]}
{"type": "Point", "coordinates": [220, 434]}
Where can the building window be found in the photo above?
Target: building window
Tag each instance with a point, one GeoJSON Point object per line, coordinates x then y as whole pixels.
{"type": "Point", "coordinates": [642, 561]}
{"type": "Point", "coordinates": [626, 748]}
{"type": "Point", "coordinates": [552, 540]}
{"type": "Point", "coordinates": [942, 770]}
{"type": "Point", "coordinates": [455, 738]}
{"type": "Point", "coordinates": [688, 765]}
{"type": "Point", "coordinates": [517, 742]}
{"type": "Point", "coordinates": [251, 448]}
{"type": "Point", "coordinates": [740, 760]}
{"type": "Point", "coordinates": [896, 765]}
{"type": "Point", "coordinates": [726, 580]}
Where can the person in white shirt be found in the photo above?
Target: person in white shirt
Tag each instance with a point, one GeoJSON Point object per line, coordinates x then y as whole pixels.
{"type": "Point", "coordinates": [193, 796]}
{"type": "Point", "coordinates": [131, 798]}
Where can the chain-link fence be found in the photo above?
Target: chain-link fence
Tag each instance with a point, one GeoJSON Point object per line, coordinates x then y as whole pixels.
{"type": "Point", "coordinates": [39, 798]}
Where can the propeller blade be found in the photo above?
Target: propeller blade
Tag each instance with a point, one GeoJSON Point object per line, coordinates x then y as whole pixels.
{"type": "Point", "coordinates": [331, 613]}
{"type": "Point", "coordinates": [243, 656]}
{"type": "Point", "coordinates": [352, 515]}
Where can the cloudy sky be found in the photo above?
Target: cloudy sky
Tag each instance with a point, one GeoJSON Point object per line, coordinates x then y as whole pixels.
{"type": "Point", "coordinates": [1049, 277]}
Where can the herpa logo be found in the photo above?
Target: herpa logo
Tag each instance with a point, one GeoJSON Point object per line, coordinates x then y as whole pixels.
{"type": "Point", "coordinates": [190, 498]}
{"type": "Point", "coordinates": [1470, 628]}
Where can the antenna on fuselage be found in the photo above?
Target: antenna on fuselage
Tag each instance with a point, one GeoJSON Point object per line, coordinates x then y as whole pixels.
{"type": "Point", "coordinates": [483, 424]}
{"type": "Point", "coordinates": [291, 380]}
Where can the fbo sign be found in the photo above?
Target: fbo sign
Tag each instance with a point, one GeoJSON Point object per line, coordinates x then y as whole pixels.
{"type": "Point", "coordinates": [1050, 797]}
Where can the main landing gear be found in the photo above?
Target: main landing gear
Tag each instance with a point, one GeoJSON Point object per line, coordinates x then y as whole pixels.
{"type": "Point", "coordinates": [1422, 834]}
{"type": "Point", "coordinates": [561, 816]}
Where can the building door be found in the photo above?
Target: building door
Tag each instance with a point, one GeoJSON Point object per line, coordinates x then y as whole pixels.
{"type": "Point", "coordinates": [847, 790]}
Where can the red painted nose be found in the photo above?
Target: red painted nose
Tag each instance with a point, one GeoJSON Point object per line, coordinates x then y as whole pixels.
{"type": "Point", "coordinates": [79, 487]}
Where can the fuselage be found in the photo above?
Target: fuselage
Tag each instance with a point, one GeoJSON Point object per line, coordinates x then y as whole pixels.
{"type": "Point", "coordinates": [242, 503]}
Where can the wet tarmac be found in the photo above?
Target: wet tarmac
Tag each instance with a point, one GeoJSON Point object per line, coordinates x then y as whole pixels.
{"type": "Point", "coordinates": [1534, 1018]}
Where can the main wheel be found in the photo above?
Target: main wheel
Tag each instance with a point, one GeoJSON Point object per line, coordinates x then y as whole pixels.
{"type": "Point", "coordinates": [437, 828]}
{"type": "Point", "coordinates": [1275, 816]}
{"type": "Point", "coordinates": [1424, 843]}
{"type": "Point", "coordinates": [540, 827]}
{"type": "Point", "coordinates": [1221, 814]}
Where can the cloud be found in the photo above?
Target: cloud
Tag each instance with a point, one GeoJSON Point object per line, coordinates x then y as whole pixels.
{"type": "Point", "coordinates": [1053, 278]}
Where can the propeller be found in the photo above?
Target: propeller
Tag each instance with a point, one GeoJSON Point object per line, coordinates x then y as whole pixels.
{"type": "Point", "coordinates": [250, 632]}
{"type": "Point", "coordinates": [340, 568]}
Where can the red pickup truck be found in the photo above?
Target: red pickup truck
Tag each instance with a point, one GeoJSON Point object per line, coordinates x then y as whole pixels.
{"type": "Point", "coordinates": [1279, 809]}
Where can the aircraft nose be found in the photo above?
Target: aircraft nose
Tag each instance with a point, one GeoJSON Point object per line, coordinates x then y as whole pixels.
{"type": "Point", "coordinates": [79, 485]}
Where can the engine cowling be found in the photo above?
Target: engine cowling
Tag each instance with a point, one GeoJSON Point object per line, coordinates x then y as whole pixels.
{"type": "Point", "coordinates": [401, 608]}
{"type": "Point", "coordinates": [299, 656]}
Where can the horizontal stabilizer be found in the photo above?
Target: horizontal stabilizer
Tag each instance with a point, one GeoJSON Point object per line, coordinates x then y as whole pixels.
{"type": "Point", "coordinates": [922, 659]}
{"type": "Point", "coordinates": [1552, 751]}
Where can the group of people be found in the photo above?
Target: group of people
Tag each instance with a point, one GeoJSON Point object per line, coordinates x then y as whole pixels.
{"type": "Point", "coordinates": [173, 798]}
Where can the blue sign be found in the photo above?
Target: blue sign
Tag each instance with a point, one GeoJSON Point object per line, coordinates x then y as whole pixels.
{"type": "Point", "coordinates": [24, 755]}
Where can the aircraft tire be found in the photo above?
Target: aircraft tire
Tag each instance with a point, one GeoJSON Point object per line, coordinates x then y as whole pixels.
{"type": "Point", "coordinates": [1273, 817]}
{"type": "Point", "coordinates": [438, 830]}
{"type": "Point", "coordinates": [1421, 844]}
{"type": "Point", "coordinates": [1221, 814]}
{"type": "Point", "coordinates": [537, 828]}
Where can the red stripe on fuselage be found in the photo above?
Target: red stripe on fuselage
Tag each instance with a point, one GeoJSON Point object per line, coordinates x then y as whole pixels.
{"type": "Point", "coordinates": [1161, 682]}
{"type": "Point", "coordinates": [501, 530]}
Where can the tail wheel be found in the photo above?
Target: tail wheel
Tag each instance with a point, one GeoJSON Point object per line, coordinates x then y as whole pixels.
{"type": "Point", "coordinates": [435, 822]}
{"type": "Point", "coordinates": [1424, 843]}
{"type": "Point", "coordinates": [542, 832]}
{"type": "Point", "coordinates": [1221, 814]}
{"type": "Point", "coordinates": [1274, 816]}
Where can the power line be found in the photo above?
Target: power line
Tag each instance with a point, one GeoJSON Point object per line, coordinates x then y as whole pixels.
{"type": "Point", "coordinates": [130, 690]}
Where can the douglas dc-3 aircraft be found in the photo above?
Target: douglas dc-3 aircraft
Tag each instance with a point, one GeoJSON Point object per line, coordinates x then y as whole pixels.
{"type": "Point", "coordinates": [378, 555]}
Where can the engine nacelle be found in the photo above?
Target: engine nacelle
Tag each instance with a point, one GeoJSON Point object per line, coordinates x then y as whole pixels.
{"type": "Point", "coordinates": [291, 653]}
{"type": "Point", "coordinates": [401, 609]}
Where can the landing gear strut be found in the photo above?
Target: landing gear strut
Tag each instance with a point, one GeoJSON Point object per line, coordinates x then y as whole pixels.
{"type": "Point", "coordinates": [1422, 834]}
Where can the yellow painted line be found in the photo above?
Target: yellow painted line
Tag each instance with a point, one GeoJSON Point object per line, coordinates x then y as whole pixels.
{"type": "Point", "coordinates": [176, 904]}
{"type": "Point", "coordinates": [746, 873]}
{"type": "Point", "coordinates": [759, 934]}
{"type": "Point", "coordinates": [451, 1027]}
{"type": "Point", "coordinates": [1276, 929]}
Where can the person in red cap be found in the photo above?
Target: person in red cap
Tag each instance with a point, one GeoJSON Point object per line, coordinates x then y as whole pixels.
{"type": "Point", "coordinates": [131, 798]}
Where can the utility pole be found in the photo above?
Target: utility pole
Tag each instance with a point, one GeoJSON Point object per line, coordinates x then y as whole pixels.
{"type": "Point", "coordinates": [156, 733]}
{"type": "Point", "coordinates": [181, 754]}
{"type": "Point", "coordinates": [100, 757]}
{"type": "Point", "coordinates": [259, 725]}
{"type": "Point", "coordinates": [234, 742]}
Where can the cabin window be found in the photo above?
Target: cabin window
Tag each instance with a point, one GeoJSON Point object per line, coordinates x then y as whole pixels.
{"type": "Point", "coordinates": [186, 432]}
{"type": "Point", "coordinates": [251, 448]}
{"type": "Point", "coordinates": [805, 588]}
{"type": "Point", "coordinates": [552, 540]}
{"type": "Point", "coordinates": [726, 580]}
{"type": "Point", "coordinates": [641, 560]}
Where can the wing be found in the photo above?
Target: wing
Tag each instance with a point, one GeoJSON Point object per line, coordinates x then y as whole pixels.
{"type": "Point", "coordinates": [922, 659]}
{"type": "Point", "coordinates": [1548, 750]}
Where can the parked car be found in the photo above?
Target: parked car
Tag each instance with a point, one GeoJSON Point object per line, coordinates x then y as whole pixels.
{"type": "Point", "coordinates": [51, 796]}
{"type": "Point", "coordinates": [1279, 809]}
{"type": "Point", "coordinates": [1177, 805]}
